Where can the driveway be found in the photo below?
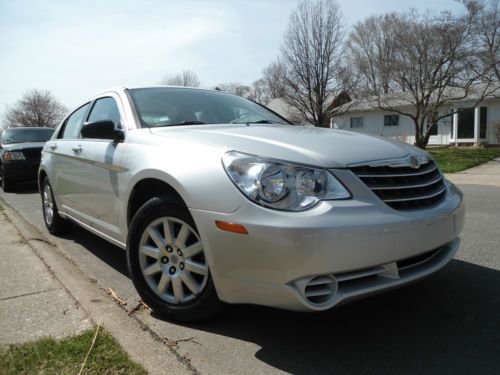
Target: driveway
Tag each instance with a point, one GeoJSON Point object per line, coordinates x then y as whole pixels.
{"type": "Point", "coordinates": [446, 324]}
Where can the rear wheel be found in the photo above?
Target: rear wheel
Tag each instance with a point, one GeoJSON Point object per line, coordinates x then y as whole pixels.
{"type": "Point", "coordinates": [53, 221]}
{"type": "Point", "coordinates": [167, 263]}
{"type": "Point", "coordinates": [5, 182]}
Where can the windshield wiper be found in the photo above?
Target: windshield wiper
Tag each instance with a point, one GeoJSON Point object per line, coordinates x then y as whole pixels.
{"type": "Point", "coordinates": [266, 122]}
{"type": "Point", "coordinates": [259, 122]}
{"type": "Point", "coordinates": [194, 122]}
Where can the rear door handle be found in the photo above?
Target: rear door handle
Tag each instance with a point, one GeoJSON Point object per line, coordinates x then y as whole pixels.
{"type": "Point", "coordinates": [53, 146]}
{"type": "Point", "coordinates": [77, 149]}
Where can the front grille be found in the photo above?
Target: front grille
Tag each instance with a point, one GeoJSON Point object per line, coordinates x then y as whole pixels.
{"type": "Point", "coordinates": [32, 153]}
{"type": "Point", "coordinates": [405, 188]}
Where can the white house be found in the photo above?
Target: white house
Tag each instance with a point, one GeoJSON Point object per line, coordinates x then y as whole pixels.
{"type": "Point", "coordinates": [471, 124]}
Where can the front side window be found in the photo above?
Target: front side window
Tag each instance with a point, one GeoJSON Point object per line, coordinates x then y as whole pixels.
{"type": "Point", "coordinates": [356, 122]}
{"type": "Point", "coordinates": [391, 120]}
{"type": "Point", "coordinates": [168, 106]}
{"type": "Point", "coordinates": [105, 109]}
{"type": "Point", "coordinates": [73, 124]}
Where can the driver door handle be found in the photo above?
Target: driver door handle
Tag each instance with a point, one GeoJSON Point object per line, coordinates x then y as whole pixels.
{"type": "Point", "coordinates": [77, 149]}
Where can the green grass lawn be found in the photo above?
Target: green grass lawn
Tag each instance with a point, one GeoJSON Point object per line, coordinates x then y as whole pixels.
{"type": "Point", "coordinates": [48, 356]}
{"type": "Point", "coordinates": [456, 159]}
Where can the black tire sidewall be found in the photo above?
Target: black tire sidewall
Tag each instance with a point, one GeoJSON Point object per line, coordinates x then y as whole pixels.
{"type": "Point", "coordinates": [6, 183]}
{"type": "Point", "coordinates": [204, 305]}
{"type": "Point", "coordinates": [58, 225]}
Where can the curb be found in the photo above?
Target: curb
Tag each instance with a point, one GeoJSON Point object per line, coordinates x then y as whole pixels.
{"type": "Point", "coordinates": [144, 346]}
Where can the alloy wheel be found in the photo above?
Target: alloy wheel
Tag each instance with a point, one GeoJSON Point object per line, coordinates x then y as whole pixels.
{"type": "Point", "coordinates": [48, 204]}
{"type": "Point", "coordinates": [172, 260]}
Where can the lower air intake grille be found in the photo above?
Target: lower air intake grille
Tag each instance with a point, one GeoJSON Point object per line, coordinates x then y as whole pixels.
{"type": "Point", "coordinates": [405, 188]}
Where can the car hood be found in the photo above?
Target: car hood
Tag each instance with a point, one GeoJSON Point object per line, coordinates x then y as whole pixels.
{"type": "Point", "coordinates": [321, 147]}
{"type": "Point", "coordinates": [23, 146]}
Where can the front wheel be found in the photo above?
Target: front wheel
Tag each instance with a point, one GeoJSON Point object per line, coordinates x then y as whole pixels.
{"type": "Point", "coordinates": [167, 262]}
{"type": "Point", "coordinates": [53, 221]}
{"type": "Point", "coordinates": [5, 182]}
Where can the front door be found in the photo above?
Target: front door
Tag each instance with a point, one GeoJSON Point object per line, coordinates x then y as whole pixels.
{"type": "Point", "coordinates": [96, 199]}
{"type": "Point", "coordinates": [465, 128]}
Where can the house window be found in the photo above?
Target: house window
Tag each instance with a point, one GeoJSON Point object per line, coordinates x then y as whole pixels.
{"type": "Point", "coordinates": [483, 118]}
{"type": "Point", "coordinates": [434, 129]}
{"type": "Point", "coordinates": [391, 120]}
{"type": "Point", "coordinates": [356, 122]}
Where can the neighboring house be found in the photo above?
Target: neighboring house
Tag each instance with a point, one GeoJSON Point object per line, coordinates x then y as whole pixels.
{"type": "Point", "coordinates": [471, 124]}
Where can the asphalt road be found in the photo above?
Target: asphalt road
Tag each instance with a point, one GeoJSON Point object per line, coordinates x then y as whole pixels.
{"type": "Point", "coordinates": [446, 324]}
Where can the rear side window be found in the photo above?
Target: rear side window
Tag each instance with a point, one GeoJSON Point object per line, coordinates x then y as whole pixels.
{"type": "Point", "coordinates": [73, 124]}
{"type": "Point", "coordinates": [105, 109]}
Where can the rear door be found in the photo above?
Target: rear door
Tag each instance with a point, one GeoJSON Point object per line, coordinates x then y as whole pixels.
{"type": "Point", "coordinates": [64, 161]}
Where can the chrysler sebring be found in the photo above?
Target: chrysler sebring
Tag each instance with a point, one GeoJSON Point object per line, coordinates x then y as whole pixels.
{"type": "Point", "coordinates": [217, 199]}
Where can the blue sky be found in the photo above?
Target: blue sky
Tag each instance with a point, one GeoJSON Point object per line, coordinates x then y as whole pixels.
{"type": "Point", "coordinates": [78, 48]}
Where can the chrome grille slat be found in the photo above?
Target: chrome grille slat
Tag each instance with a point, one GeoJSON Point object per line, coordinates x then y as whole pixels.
{"type": "Point", "coordinates": [416, 198]}
{"type": "Point", "coordinates": [434, 181]}
{"type": "Point", "coordinates": [404, 188]}
{"type": "Point", "coordinates": [432, 169]}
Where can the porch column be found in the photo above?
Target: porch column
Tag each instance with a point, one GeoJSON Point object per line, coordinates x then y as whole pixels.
{"type": "Point", "coordinates": [476, 125]}
{"type": "Point", "coordinates": [454, 126]}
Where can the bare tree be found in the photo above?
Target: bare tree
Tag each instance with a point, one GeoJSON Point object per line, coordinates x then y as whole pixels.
{"type": "Point", "coordinates": [274, 78]}
{"type": "Point", "coordinates": [371, 47]}
{"type": "Point", "coordinates": [236, 88]}
{"type": "Point", "coordinates": [312, 54]}
{"type": "Point", "coordinates": [433, 64]}
{"type": "Point", "coordinates": [486, 25]}
{"type": "Point", "coordinates": [186, 78]}
{"type": "Point", "coordinates": [35, 108]}
{"type": "Point", "coordinates": [259, 92]}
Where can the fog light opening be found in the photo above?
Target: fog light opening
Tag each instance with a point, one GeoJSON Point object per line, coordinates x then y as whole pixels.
{"type": "Point", "coordinates": [320, 289]}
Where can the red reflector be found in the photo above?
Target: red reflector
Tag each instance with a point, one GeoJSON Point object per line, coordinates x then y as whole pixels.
{"type": "Point", "coordinates": [231, 227]}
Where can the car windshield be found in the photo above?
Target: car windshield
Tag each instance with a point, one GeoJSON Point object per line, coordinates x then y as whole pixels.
{"type": "Point", "coordinates": [170, 106]}
{"type": "Point", "coordinates": [24, 135]}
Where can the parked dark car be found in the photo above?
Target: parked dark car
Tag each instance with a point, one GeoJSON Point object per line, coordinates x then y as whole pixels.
{"type": "Point", "coordinates": [20, 153]}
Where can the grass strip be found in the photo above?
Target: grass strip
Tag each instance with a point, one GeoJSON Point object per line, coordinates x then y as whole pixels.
{"type": "Point", "coordinates": [50, 356]}
{"type": "Point", "coordinates": [457, 159]}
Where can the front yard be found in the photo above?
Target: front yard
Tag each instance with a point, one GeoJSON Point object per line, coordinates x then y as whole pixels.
{"type": "Point", "coordinates": [48, 356]}
{"type": "Point", "coordinates": [456, 159]}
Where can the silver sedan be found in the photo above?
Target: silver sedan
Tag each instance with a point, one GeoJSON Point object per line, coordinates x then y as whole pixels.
{"type": "Point", "coordinates": [217, 199]}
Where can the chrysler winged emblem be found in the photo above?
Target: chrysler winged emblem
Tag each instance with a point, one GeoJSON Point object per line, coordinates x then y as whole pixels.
{"type": "Point", "coordinates": [413, 162]}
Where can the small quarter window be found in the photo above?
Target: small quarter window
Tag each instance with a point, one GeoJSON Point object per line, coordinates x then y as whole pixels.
{"type": "Point", "coordinates": [73, 124]}
{"type": "Point", "coordinates": [356, 122]}
{"type": "Point", "coordinates": [391, 120]}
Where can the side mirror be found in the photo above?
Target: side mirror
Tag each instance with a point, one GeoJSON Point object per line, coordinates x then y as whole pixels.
{"type": "Point", "coordinates": [102, 130]}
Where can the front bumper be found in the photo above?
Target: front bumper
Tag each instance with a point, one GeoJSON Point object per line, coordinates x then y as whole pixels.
{"type": "Point", "coordinates": [21, 170]}
{"type": "Point", "coordinates": [343, 249]}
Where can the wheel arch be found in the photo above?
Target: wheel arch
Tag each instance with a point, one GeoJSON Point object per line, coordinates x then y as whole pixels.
{"type": "Point", "coordinates": [147, 188]}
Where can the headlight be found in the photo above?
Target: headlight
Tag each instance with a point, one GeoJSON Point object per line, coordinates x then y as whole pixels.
{"type": "Point", "coordinates": [13, 155]}
{"type": "Point", "coordinates": [281, 185]}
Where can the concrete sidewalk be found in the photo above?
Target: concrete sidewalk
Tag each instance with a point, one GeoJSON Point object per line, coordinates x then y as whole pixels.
{"type": "Point", "coordinates": [33, 304]}
{"type": "Point", "coordinates": [44, 293]}
{"type": "Point", "coordinates": [484, 174]}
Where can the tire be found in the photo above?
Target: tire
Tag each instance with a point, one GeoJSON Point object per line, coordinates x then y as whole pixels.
{"type": "Point", "coordinates": [5, 182]}
{"type": "Point", "coordinates": [55, 224]}
{"type": "Point", "coordinates": [170, 273]}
